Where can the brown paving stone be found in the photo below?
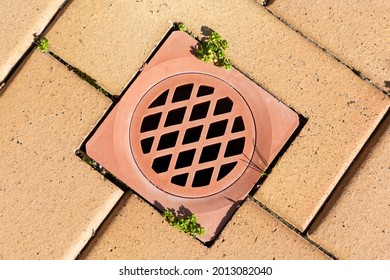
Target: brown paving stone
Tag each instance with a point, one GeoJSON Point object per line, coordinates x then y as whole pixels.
{"type": "Point", "coordinates": [51, 201]}
{"type": "Point", "coordinates": [356, 31]}
{"type": "Point", "coordinates": [136, 231]}
{"type": "Point", "coordinates": [342, 109]}
{"type": "Point", "coordinates": [355, 223]}
{"type": "Point", "coordinates": [19, 20]}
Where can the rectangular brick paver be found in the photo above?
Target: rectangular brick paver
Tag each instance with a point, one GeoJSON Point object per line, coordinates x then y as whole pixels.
{"type": "Point", "coordinates": [51, 201]}
{"type": "Point", "coordinates": [356, 31]}
{"type": "Point", "coordinates": [251, 234]}
{"type": "Point", "coordinates": [255, 234]}
{"type": "Point", "coordinates": [135, 230]}
{"type": "Point", "coordinates": [341, 108]}
{"type": "Point", "coordinates": [19, 20]}
{"type": "Point", "coordinates": [356, 222]}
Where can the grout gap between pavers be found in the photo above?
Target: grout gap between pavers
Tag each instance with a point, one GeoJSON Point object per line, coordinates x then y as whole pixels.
{"type": "Point", "coordinates": [106, 174]}
{"type": "Point", "coordinates": [84, 76]}
{"type": "Point", "coordinates": [354, 70]}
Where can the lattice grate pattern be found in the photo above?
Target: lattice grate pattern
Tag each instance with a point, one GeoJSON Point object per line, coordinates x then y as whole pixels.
{"type": "Point", "coordinates": [192, 135]}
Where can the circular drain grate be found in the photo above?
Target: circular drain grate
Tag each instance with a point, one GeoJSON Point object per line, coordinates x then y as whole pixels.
{"type": "Point", "coordinates": [192, 135]}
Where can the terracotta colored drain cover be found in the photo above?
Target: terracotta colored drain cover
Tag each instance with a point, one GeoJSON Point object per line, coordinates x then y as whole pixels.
{"type": "Point", "coordinates": [190, 136]}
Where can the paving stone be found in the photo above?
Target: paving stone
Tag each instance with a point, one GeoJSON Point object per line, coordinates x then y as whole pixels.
{"type": "Point", "coordinates": [51, 201]}
{"type": "Point", "coordinates": [252, 234]}
{"type": "Point", "coordinates": [355, 223]}
{"type": "Point", "coordinates": [255, 234]}
{"type": "Point", "coordinates": [341, 108]}
{"type": "Point", "coordinates": [353, 30]}
{"type": "Point", "coordinates": [19, 20]}
{"type": "Point", "coordinates": [109, 40]}
{"type": "Point", "coordinates": [123, 235]}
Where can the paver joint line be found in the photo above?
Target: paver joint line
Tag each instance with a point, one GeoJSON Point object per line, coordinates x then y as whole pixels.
{"type": "Point", "coordinates": [97, 167]}
{"type": "Point", "coordinates": [334, 56]}
{"type": "Point", "coordinates": [84, 76]}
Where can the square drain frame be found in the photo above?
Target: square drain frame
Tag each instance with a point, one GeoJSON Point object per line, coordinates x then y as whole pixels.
{"type": "Point", "coordinates": [189, 135]}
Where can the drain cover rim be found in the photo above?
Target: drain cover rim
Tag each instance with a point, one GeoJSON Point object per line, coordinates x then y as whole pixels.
{"type": "Point", "coordinates": [161, 181]}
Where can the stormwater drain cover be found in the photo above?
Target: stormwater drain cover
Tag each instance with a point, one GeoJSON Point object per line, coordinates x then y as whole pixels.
{"type": "Point", "coordinates": [187, 134]}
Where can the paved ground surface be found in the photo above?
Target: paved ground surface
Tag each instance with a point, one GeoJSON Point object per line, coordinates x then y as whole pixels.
{"type": "Point", "coordinates": [328, 196]}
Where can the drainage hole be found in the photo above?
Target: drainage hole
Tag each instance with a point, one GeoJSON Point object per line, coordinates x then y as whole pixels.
{"type": "Point", "coordinates": [223, 106]}
{"type": "Point", "coordinates": [161, 164]}
{"type": "Point", "coordinates": [146, 144]}
{"type": "Point", "coordinates": [167, 140]}
{"type": "Point", "coordinates": [182, 93]}
{"type": "Point", "coordinates": [180, 180]}
{"type": "Point", "coordinates": [225, 169]}
{"type": "Point", "coordinates": [150, 122]}
{"type": "Point", "coordinates": [238, 125]}
{"type": "Point", "coordinates": [160, 101]}
{"type": "Point", "coordinates": [175, 116]}
{"type": "Point", "coordinates": [217, 129]}
{"type": "Point", "coordinates": [235, 147]}
{"type": "Point", "coordinates": [202, 177]}
{"type": "Point", "coordinates": [210, 153]}
{"type": "Point", "coordinates": [199, 111]}
{"type": "Point", "coordinates": [205, 90]}
{"type": "Point", "coordinates": [185, 159]}
{"type": "Point", "coordinates": [192, 134]}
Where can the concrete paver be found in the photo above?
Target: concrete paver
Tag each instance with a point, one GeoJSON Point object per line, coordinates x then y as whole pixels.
{"type": "Point", "coordinates": [51, 201]}
{"type": "Point", "coordinates": [341, 108]}
{"type": "Point", "coordinates": [252, 234]}
{"type": "Point", "coordinates": [353, 30]}
{"type": "Point", "coordinates": [19, 20]}
{"type": "Point", "coordinates": [356, 222]}
{"type": "Point", "coordinates": [135, 230]}
{"type": "Point", "coordinates": [255, 234]}
{"type": "Point", "coordinates": [94, 36]}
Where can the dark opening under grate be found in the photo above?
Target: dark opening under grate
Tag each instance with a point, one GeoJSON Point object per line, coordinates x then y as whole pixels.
{"type": "Point", "coordinates": [191, 133]}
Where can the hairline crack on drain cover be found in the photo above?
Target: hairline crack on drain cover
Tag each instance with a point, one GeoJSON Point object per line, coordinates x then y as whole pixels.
{"type": "Point", "coordinates": [189, 135]}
